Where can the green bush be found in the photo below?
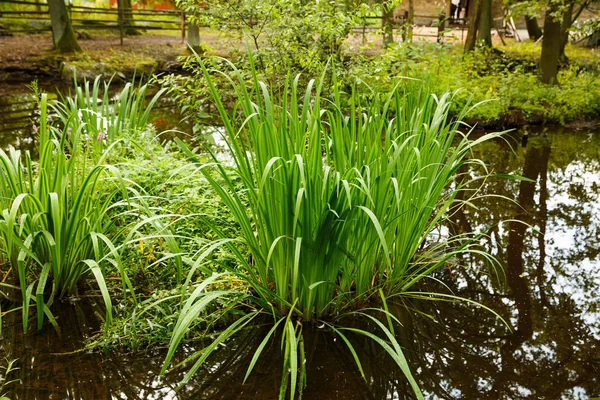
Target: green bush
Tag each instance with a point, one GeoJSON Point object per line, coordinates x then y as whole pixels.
{"type": "Point", "coordinates": [505, 84]}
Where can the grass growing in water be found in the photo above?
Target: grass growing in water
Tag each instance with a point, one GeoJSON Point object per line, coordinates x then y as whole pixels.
{"type": "Point", "coordinates": [5, 371]}
{"type": "Point", "coordinates": [70, 214]}
{"type": "Point", "coordinates": [337, 209]}
{"type": "Point", "coordinates": [92, 109]}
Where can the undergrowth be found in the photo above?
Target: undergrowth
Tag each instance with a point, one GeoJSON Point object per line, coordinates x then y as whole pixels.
{"type": "Point", "coordinates": [505, 77]}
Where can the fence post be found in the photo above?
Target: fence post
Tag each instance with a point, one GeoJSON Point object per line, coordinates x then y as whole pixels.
{"type": "Point", "coordinates": [405, 27]}
{"type": "Point", "coordinates": [364, 30]}
{"type": "Point", "coordinates": [441, 27]}
{"type": "Point", "coordinates": [182, 26]}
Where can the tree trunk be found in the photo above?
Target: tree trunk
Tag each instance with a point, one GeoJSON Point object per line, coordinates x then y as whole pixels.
{"type": "Point", "coordinates": [62, 31]}
{"type": "Point", "coordinates": [533, 28]}
{"type": "Point", "coordinates": [565, 26]}
{"type": "Point", "coordinates": [387, 24]}
{"type": "Point", "coordinates": [551, 45]}
{"type": "Point", "coordinates": [193, 36]}
{"type": "Point", "coordinates": [484, 34]}
{"type": "Point", "coordinates": [126, 17]}
{"type": "Point", "coordinates": [472, 25]}
{"type": "Point", "coordinates": [411, 20]}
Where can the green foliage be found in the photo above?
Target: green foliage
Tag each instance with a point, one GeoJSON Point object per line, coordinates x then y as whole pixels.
{"type": "Point", "coordinates": [172, 188]}
{"type": "Point", "coordinates": [534, 8]}
{"type": "Point", "coordinates": [297, 34]}
{"type": "Point", "coordinates": [4, 377]}
{"type": "Point", "coordinates": [336, 206]}
{"type": "Point", "coordinates": [508, 82]}
{"type": "Point", "coordinates": [70, 214]}
{"type": "Point", "coordinates": [583, 29]}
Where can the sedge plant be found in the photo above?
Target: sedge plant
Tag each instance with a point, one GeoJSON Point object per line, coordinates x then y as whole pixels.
{"type": "Point", "coordinates": [55, 218]}
{"type": "Point", "coordinates": [337, 208]}
{"type": "Point", "coordinates": [100, 116]}
{"type": "Point", "coordinates": [5, 371]}
{"type": "Point", "coordinates": [69, 215]}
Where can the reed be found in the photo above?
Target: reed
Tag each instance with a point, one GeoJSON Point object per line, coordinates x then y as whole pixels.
{"type": "Point", "coordinates": [92, 109]}
{"type": "Point", "coordinates": [70, 214]}
{"type": "Point", "coordinates": [338, 208]}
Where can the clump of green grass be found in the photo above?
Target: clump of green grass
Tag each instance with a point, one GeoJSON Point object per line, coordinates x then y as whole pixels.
{"type": "Point", "coordinates": [56, 216]}
{"type": "Point", "coordinates": [338, 209]}
{"type": "Point", "coordinates": [92, 110]}
{"type": "Point", "coordinates": [70, 214]}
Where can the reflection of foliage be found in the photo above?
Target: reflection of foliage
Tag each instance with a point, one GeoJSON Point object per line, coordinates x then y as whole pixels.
{"type": "Point", "coordinates": [550, 300]}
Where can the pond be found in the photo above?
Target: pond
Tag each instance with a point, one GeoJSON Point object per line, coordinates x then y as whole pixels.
{"type": "Point", "coordinates": [542, 340]}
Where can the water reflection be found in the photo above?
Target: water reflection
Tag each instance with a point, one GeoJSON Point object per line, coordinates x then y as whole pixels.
{"type": "Point", "coordinates": [56, 368]}
{"type": "Point", "coordinates": [548, 290]}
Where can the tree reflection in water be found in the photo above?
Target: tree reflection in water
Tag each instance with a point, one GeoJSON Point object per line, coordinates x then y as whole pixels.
{"type": "Point", "coordinates": [548, 292]}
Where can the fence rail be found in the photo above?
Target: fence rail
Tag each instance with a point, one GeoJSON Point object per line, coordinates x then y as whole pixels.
{"type": "Point", "coordinates": [121, 19]}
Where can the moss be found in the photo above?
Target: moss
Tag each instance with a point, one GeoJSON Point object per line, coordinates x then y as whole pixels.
{"type": "Point", "coordinates": [68, 42]}
{"type": "Point", "coordinates": [116, 64]}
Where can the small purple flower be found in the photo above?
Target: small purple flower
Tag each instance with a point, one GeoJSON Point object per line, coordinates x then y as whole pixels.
{"type": "Point", "coordinates": [35, 128]}
{"type": "Point", "coordinates": [68, 133]}
{"type": "Point", "coordinates": [87, 137]}
{"type": "Point", "coordinates": [100, 136]}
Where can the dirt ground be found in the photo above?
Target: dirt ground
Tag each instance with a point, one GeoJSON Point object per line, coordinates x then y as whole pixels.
{"type": "Point", "coordinates": [22, 52]}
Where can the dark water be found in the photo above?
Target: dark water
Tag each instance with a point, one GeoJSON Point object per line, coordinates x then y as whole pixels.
{"type": "Point", "coordinates": [547, 292]}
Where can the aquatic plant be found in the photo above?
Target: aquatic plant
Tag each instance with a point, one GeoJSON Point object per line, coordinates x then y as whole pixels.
{"type": "Point", "coordinates": [70, 214]}
{"type": "Point", "coordinates": [54, 220]}
{"type": "Point", "coordinates": [4, 379]}
{"type": "Point", "coordinates": [92, 109]}
{"type": "Point", "coordinates": [338, 210]}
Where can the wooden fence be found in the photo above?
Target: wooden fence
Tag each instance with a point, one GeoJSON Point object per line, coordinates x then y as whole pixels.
{"type": "Point", "coordinates": [91, 18]}
{"type": "Point", "coordinates": [399, 23]}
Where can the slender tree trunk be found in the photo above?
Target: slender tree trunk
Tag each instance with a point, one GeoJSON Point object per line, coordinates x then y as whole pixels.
{"type": "Point", "coordinates": [565, 26]}
{"type": "Point", "coordinates": [62, 31]}
{"type": "Point", "coordinates": [387, 24]}
{"type": "Point", "coordinates": [533, 28]}
{"type": "Point", "coordinates": [126, 17]}
{"type": "Point", "coordinates": [484, 33]}
{"type": "Point", "coordinates": [550, 47]}
{"type": "Point", "coordinates": [411, 20]}
{"type": "Point", "coordinates": [472, 25]}
{"type": "Point", "coordinates": [193, 38]}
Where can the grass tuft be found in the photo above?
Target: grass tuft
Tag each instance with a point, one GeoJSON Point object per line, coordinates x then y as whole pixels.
{"type": "Point", "coordinates": [336, 208]}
